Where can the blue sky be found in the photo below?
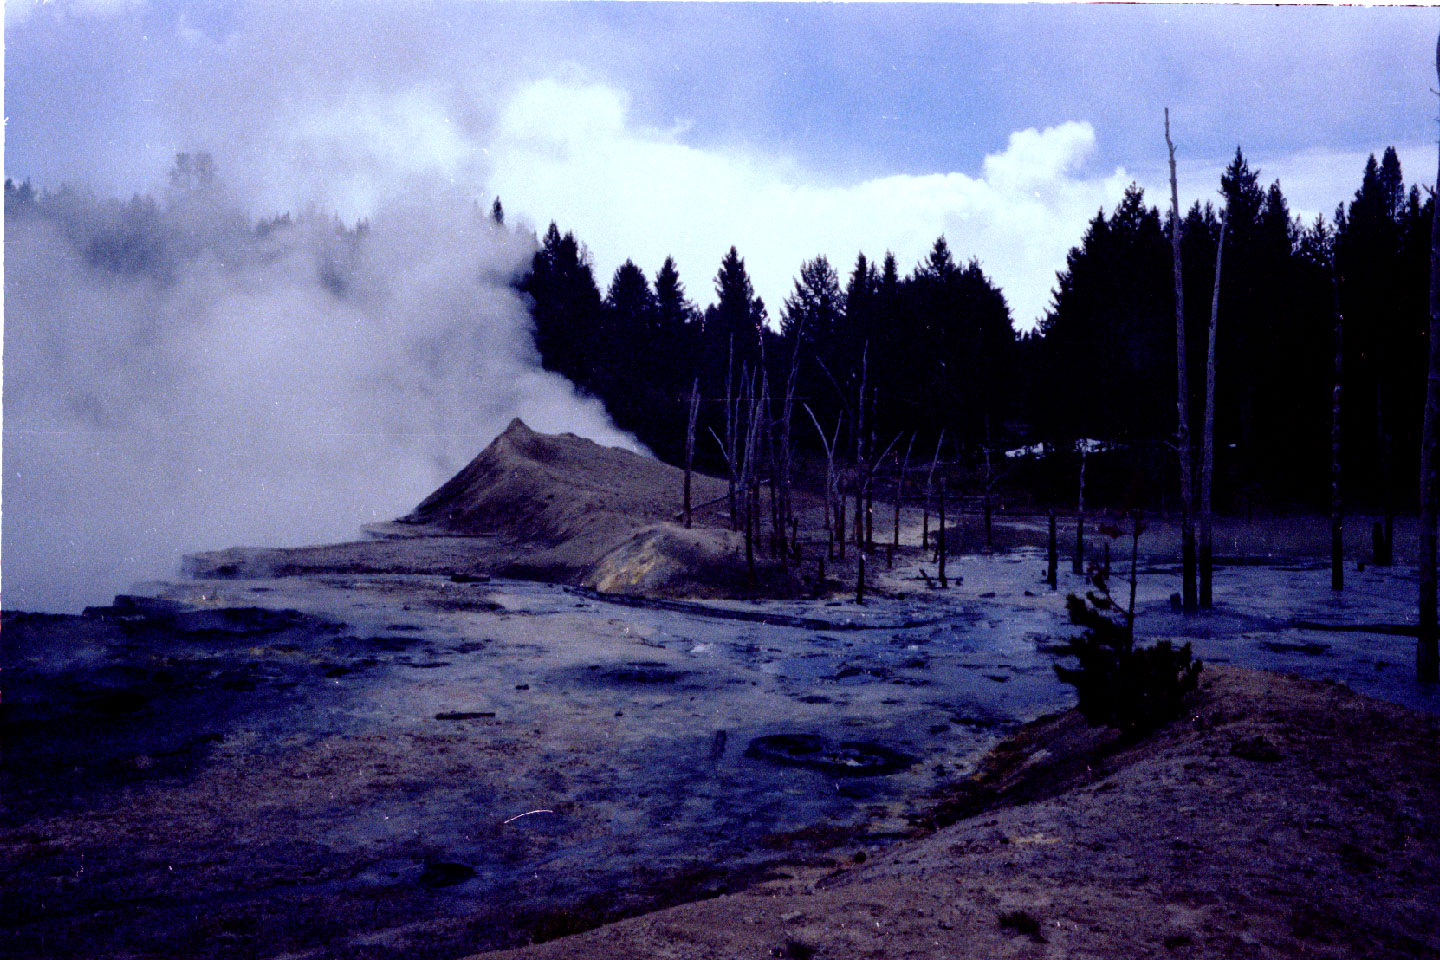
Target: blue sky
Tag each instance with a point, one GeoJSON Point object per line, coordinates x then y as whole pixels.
{"type": "Point", "coordinates": [789, 130]}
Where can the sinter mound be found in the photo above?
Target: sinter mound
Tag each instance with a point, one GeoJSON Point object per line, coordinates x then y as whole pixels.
{"type": "Point", "coordinates": [551, 488]}
{"type": "Point", "coordinates": [548, 507]}
{"type": "Point", "coordinates": [605, 516]}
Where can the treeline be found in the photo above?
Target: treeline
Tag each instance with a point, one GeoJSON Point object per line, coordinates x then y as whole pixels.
{"type": "Point", "coordinates": [935, 345]}
{"type": "Point", "coordinates": [937, 349]}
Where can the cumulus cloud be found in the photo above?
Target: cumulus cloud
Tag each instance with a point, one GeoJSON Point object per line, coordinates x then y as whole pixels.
{"type": "Point", "coordinates": [572, 153]}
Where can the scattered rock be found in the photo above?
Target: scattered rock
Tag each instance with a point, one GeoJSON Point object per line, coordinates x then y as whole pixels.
{"type": "Point", "coordinates": [1022, 921]}
{"type": "Point", "coordinates": [848, 759]}
{"type": "Point", "coordinates": [438, 873]}
{"type": "Point", "coordinates": [1256, 748]}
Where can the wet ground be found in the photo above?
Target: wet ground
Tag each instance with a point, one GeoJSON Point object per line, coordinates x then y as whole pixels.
{"type": "Point", "coordinates": [376, 766]}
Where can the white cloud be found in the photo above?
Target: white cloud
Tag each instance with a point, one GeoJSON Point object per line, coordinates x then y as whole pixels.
{"type": "Point", "coordinates": [570, 153]}
{"type": "Point", "coordinates": [18, 11]}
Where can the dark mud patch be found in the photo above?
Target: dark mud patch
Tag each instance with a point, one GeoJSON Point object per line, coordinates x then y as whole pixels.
{"type": "Point", "coordinates": [851, 758]}
{"type": "Point", "coordinates": [139, 692]}
{"type": "Point", "coordinates": [439, 873]}
{"type": "Point", "coordinates": [639, 673]}
{"type": "Point", "coordinates": [1306, 647]}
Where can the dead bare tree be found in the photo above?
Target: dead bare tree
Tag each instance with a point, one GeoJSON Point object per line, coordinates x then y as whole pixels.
{"type": "Point", "coordinates": [1207, 437]}
{"type": "Point", "coordinates": [989, 489]}
{"type": "Point", "coordinates": [929, 491]}
{"type": "Point", "coordinates": [941, 552]}
{"type": "Point", "coordinates": [1136, 528]}
{"type": "Point", "coordinates": [829, 443]}
{"type": "Point", "coordinates": [1337, 530]}
{"type": "Point", "coordinates": [1182, 402]}
{"type": "Point", "coordinates": [1052, 555]}
{"type": "Point", "coordinates": [751, 485]}
{"type": "Point", "coordinates": [899, 496]}
{"type": "Point", "coordinates": [1077, 565]}
{"type": "Point", "coordinates": [727, 446]}
{"type": "Point", "coordinates": [786, 452]}
{"type": "Point", "coordinates": [772, 456]}
{"type": "Point", "coordinates": [690, 445]}
{"type": "Point", "coordinates": [1427, 651]}
{"type": "Point", "coordinates": [871, 466]}
{"type": "Point", "coordinates": [860, 453]}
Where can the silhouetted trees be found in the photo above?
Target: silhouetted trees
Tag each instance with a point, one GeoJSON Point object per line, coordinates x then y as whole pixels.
{"type": "Point", "coordinates": [943, 353]}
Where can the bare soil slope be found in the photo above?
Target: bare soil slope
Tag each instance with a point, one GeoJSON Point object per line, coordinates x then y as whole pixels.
{"type": "Point", "coordinates": [548, 507]}
{"type": "Point", "coordinates": [1284, 818]}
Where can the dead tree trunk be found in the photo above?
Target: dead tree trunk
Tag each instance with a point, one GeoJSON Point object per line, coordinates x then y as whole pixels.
{"type": "Point", "coordinates": [757, 419]}
{"type": "Point", "coordinates": [1182, 402]}
{"type": "Point", "coordinates": [1053, 555]}
{"type": "Point", "coordinates": [829, 444]}
{"type": "Point", "coordinates": [1383, 544]}
{"type": "Point", "coordinates": [870, 501]}
{"type": "Point", "coordinates": [900, 496]}
{"type": "Point", "coordinates": [941, 551]}
{"type": "Point", "coordinates": [1207, 437]}
{"type": "Point", "coordinates": [1135, 528]}
{"type": "Point", "coordinates": [929, 492]}
{"type": "Point", "coordinates": [860, 454]}
{"type": "Point", "coordinates": [1337, 539]}
{"type": "Point", "coordinates": [690, 445]}
{"type": "Point", "coordinates": [860, 575]}
{"type": "Point", "coordinates": [786, 453]}
{"type": "Point", "coordinates": [1077, 565]}
{"type": "Point", "coordinates": [728, 445]}
{"type": "Point", "coordinates": [989, 486]}
{"type": "Point", "coordinates": [1427, 656]}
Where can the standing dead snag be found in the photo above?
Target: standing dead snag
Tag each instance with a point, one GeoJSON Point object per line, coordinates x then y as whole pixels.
{"type": "Point", "coordinates": [750, 490]}
{"type": "Point", "coordinates": [727, 446]}
{"type": "Point", "coordinates": [989, 488]}
{"type": "Point", "coordinates": [831, 488]}
{"type": "Point", "coordinates": [1077, 565]}
{"type": "Point", "coordinates": [1207, 438]}
{"type": "Point", "coordinates": [1052, 555]}
{"type": "Point", "coordinates": [786, 456]}
{"type": "Point", "coordinates": [1427, 651]}
{"type": "Point", "coordinates": [860, 453]}
{"type": "Point", "coordinates": [1136, 528]}
{"type": "Point", "coordinates": [1337, 539]}
{"type": "Point", "coordinates": [1182, 402]}
{"type": "Point", "coordinates": [941, 551]}
{"type": "Point", "coordinates": [690, 445]}
{"type": "Point", "coordinates": [929, 491]}
{"type": "Point", "coordinates": [899, 496]}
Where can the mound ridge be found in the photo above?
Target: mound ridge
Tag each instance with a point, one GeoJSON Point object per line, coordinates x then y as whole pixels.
{"type": "Point", "coordinates": [549, 488]}
{"type": "Point", "coordinates": [552, 507]}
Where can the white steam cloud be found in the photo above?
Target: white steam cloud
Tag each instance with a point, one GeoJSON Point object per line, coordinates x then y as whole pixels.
{"type": "Point", "coordinates": [176, 380]}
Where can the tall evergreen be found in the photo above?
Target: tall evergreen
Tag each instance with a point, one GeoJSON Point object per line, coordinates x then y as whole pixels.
{"type": "Point", "coordinates": [734, 322]}
{"type": "Point", "coordinates": [566, 308]}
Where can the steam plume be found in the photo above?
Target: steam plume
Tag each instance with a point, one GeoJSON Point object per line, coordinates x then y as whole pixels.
{"type": "Point", "coordinates": [177, 378]}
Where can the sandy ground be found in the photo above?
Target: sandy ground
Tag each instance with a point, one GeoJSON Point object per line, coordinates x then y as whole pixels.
{"type": "Point", "coordinates": [1283, 818]}
{"type": "Point", "coordinates": [376, 750]}
{"type": "Point", "coordinates": [325, 766]}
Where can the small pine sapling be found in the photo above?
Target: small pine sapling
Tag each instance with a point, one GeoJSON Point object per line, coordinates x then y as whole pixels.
{"type": "Point", "coordinates": [1132, 689]}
